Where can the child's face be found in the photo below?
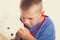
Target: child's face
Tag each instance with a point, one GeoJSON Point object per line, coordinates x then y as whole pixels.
{"type": "Point", "coordinates": [32, 16]}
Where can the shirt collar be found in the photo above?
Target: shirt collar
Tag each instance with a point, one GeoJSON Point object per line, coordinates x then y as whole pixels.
{"type": "Point", "coordinates": [34, 27]}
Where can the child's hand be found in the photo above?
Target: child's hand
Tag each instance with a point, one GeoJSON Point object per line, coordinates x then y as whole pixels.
{"type": "Point", "coordinates": [25, 34]}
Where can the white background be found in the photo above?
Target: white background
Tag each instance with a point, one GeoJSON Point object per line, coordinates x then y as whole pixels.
{"type": "Point", "coordinates": [51, 7]}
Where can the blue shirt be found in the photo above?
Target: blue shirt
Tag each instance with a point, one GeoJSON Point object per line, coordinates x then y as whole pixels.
{"type": "Point", "coordinates": [46, 31]}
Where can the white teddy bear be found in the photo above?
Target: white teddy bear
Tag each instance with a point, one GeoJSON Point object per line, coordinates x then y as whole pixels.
{"type": "Point", "coordinates": [9, 19]}
{"type": "Point", "coordinates": [9, 26]}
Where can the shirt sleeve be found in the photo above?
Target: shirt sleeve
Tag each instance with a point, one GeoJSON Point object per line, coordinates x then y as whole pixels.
{"type": "Point", "coordinates": [48, 33]}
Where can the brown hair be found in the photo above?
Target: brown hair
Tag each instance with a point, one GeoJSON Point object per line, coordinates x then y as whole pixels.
{"type": "Point", "coordinates": [26, 4]}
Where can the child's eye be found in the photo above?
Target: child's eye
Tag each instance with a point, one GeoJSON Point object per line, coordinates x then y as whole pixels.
{"type": "Point", "coordinates": [30, 18]}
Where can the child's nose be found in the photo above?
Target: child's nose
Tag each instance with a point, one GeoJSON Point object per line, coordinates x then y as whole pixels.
{"type": "Point", "coordinates": [26, 22]}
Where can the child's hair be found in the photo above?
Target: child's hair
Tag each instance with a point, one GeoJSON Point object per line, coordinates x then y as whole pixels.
{"type": "Point", "coordinates": [26, 4]}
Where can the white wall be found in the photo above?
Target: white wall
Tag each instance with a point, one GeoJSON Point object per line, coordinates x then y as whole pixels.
{"type": "Point", "coordinates": [51, 7]}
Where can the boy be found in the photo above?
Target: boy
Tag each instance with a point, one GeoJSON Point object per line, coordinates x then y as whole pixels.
{"type": "Point", "coordinates": [36, 25]}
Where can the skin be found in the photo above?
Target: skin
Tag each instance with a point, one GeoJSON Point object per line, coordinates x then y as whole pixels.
{"type": "Point", "coordinates": [30, 18]}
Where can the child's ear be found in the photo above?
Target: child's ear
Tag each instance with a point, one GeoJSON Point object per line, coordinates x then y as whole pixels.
{"type": "Point", "coordinates": [42, 13]}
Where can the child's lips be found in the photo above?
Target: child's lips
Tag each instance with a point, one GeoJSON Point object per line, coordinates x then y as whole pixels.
{"type": "Point", "coordinates": [26, 25]}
